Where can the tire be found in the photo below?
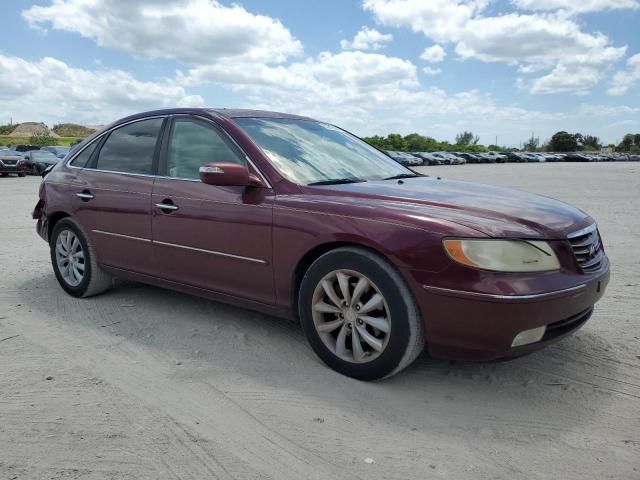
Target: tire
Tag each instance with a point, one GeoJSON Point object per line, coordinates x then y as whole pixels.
{"type": "Point", "coordinates": [395, 349]}
{"type": "Point", "coordinates": [93, 280]}
{"type": "Point", "coordinates": [21, 174]}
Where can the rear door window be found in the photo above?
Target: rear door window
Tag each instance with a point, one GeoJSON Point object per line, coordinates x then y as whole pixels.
{"type": "Point", "coordinates": [131, 148]}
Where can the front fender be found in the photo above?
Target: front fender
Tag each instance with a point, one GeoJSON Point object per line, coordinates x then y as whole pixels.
{"type": "Point", "coordinates": [297, 232]}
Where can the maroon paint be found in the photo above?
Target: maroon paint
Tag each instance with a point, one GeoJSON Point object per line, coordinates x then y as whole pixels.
{"type": "Point", "coordinates": [281, 225]}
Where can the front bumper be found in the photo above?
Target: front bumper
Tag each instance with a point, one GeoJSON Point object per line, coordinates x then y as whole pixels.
{"type": "Point", "coordinates": [465, 325]}
{"type": "Point", "coordinates": [19, 168]}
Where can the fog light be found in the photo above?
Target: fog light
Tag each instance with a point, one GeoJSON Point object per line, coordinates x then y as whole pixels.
{"type": "Point", "coordinates": [529, 336]}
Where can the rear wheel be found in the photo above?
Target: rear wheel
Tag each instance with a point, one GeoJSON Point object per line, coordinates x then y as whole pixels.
{"type": "Point", "coordinates": [74, 261]}
{"type": "Point", "coordinates": [359, 315]}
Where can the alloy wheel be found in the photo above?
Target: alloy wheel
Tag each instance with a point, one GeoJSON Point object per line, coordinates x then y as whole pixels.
{"type": "Point", "coordinates": [351, 316]}
{"type": "Point", "coordinates": [70, 258]}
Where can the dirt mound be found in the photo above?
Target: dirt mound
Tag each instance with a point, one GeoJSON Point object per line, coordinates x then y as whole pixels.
{"type": "Point", "coordinates": [72, 130]}
{"type": "Point", "coordinates": [30, 129]}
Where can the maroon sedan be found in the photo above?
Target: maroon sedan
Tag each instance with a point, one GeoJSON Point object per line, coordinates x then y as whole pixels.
{"type": "Point", "coordinates": [298, 218]}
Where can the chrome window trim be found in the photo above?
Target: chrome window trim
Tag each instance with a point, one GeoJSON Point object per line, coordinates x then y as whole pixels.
{"type": "Point", "coordinates": [102, 134]}
{"type": "Point", "coordinates": [119, 235]}
{"type": "Point", "coordinates": [590, 229]}
{"type": "Point", "coordinates": [212, 252]}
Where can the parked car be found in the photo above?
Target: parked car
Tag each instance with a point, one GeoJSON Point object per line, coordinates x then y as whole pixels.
{"type": "Point", "coordinates": [59, 152]}
{"type": "Point", "coordinates": [484, 158]}
{"type": "Point", "coordinates": [514, 157]}
{"type": "Point", "coordinates": [25, 148]}
{"type": "Point", "coordinates": [11, 163]}
{"type": "Point", "coordinates": [405, 159]}
{"type": "Point", "coordinates": [428, 158]}
{"type": "Point", "coordinates": [553, 157]}
{"type": "Point", "coordinates": [575, 157]}
{"type": "Point", "coordinates": [298, 218]}
{"type": "Point", "coordinates": [499, 157]}
{"type": "Point", "coordinates": [530, 157]}
{"type": "Point", "coordinates": [447, 158]}
{"type": "Point", "coordinates": [37, 161]}
{"type": "Point", "coordinates": [461, 160]}
{"type": "Point", "coordinates": [470, 157]}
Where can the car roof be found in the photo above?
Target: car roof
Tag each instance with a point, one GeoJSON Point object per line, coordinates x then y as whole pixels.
{"type": "Point", "coordinates": [213, 112]}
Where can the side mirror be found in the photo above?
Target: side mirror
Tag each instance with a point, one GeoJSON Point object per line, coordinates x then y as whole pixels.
{"type": "Point", "coordinates": [228, 174]}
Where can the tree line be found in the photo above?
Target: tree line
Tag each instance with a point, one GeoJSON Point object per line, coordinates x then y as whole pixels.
{"type": "Point", "coordinates": [468, 142]}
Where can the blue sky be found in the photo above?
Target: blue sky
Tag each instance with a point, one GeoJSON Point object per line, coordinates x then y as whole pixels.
{"type": "Point", "coordinates": [502, 69]}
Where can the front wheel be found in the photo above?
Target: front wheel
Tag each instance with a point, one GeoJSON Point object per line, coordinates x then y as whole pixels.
{"type": "Point", "coordinates": [358, 314]}
{"type": "Point", "coordinates": [74, 261]}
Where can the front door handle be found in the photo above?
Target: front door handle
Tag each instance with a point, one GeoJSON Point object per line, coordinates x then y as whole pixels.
{"type": "Point", "coordinates": [167, 206]}
{"type": "Point", "coordinates": [84, 195]}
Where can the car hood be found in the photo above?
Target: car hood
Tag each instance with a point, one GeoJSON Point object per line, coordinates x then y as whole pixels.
{"type": "Point", "coordinates": [494, 211]}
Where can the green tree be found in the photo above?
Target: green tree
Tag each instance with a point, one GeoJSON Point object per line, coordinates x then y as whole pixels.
{"type": "Point", "coordinates": [376, 141]}
{"type": "Point", "coordinates": [419, 143]}
{"type": "Point", "coordinates": [563, 142]}
{"type": "Point", "coordinates": [42, 140]}
{"type": "Point", "coordinates": [6, 129]}
{"type": "Point", "coordinates": [626, 143]}
{"type": "Point", "coordinates": [467, 138]}
{"type": "Point", "coordinates": [395, 141]}
{"type": "Point", "coordinates": [532, 144]}
{"type": "Point", "coordinates": [590, 142]}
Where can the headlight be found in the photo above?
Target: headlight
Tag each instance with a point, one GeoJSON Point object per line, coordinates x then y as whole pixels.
{"type": "Point", "coordinates": [503, 255]}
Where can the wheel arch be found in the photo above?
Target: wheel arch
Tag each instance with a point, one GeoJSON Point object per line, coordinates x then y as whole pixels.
{"type": "Point", "coordinates": [316, 252]}
{"type": "Point", "coordinates": [53, 219]}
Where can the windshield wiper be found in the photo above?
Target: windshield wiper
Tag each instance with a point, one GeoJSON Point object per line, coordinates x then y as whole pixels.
{"type": "Point", "coordinates": [337, 181]}
{"type": "Point", "coordinates": [404, 175]}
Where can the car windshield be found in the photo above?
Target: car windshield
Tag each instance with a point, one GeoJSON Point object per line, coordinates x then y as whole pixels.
{"type": "Point", "coordinates": [309, 152]}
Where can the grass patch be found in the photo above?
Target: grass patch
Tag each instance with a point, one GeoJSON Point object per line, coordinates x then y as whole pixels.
{"type": "Point", "coordinates": [7, 140]}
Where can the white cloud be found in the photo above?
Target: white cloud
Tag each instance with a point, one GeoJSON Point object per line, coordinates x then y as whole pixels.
{"type": "Point", "coordinates": [576, 6]}
{"type": "Point", "coordinates": [367, 39]}
{"type": "Point", "coordinates": [368, 93]}
{"type": "Point", "coordinates": [624, 79]}
{"type": "Point", "coordinates": [49, 90]}
{"type": "Point", "coordinates": [434, 54]}
{"type": "Point", "coordinates": [190, 31]}
{"type": "Point", "coordinates": [591, 110]}
{"type": "Point", "coordinates": [431, 71]}
{"type": "Point", "coordinates": [551, 45]}
{"type": "Point", "coordinates": [441, 20]}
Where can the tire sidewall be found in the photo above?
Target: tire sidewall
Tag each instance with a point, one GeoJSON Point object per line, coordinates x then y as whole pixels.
{"type": "Point", "coordinates": [81, 288]}
{"type": "Point", "coordinates": [398, 310]}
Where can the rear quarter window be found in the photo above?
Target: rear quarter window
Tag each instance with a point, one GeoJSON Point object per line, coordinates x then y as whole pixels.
{"type": "Point", "coordinates": [83, 157]}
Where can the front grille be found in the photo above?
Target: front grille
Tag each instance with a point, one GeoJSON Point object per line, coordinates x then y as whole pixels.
{"type": "Point", "coordinates": [587, 248]}
{"type": "Point", "coordinates": [10, 162]}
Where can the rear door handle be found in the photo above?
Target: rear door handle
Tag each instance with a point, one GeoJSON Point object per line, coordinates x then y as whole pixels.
{"type": "Point", "coordinates": [84, 195]}
{"type": "Point", "coordinates": [167, 206]}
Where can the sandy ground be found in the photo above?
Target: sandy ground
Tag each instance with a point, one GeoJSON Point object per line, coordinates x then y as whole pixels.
{"type": "Point", "coordinates": [143, 383]}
